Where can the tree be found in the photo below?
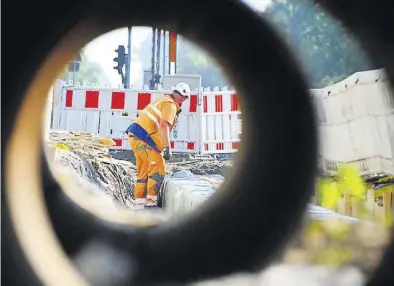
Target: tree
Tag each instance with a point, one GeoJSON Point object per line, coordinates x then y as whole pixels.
{"type": "Point", "coordinates": [88, 71]}
{"type": "Point", "coordinates": [328, 53]}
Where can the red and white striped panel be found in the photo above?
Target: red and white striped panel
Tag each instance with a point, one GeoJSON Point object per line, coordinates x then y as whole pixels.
{"type": "Point", "coordinates": [221, 111]}
{"type": "Point", "coordinates": [121, 143]}
{"type": "Point", "coordinates": [183, 146]}
{"type": "Point", "coordinates": [218, 102]}
{"type": "Point", "coordinates": [221, 147]}
{"type": "Point", "coordinates": [128, 100]}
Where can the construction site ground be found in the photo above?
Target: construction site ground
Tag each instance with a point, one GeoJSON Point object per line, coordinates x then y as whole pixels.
{"type": "Point", "coordinates": [90, 159]}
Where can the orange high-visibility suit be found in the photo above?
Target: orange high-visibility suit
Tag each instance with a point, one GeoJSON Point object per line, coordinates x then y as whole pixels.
{"type": "Point", "coordinates": [146, 141]}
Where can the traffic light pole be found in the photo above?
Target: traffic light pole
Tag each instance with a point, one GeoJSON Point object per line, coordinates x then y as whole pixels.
{"type": "Point", "coordinates": [120, 61]}
{"type": "Point", "coordinates": [128, 59]}
{"type": "Point", "coordinates": [164, 53]}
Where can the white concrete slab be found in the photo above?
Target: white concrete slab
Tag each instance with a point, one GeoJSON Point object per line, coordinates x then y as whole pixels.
{"type": "Point", "coordinates": [183, 192]}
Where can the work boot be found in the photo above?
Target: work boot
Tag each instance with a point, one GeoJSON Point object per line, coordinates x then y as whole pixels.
{"type": "Point", "coordinates": [151, 201]}
{"type": "Point", "coordinates": [138, 204]}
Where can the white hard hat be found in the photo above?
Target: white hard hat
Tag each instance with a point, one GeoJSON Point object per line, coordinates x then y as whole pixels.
{"type": "Point", "coordinates": [183, 89]}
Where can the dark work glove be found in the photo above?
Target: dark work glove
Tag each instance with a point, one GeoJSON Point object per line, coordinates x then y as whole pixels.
{"type": "Point", "coordinates": [167, 153]}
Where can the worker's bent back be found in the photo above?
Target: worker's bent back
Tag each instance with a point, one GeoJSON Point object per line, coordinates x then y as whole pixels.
{"type": "Point", "coordinates": [163, 108]}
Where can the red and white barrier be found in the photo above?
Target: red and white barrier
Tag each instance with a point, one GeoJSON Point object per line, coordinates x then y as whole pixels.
{"type": "Point", "coordinates": [201, 127]}
{"type": "Point", "coordinates": [356, 120]}
{"type": "Point", "coordinates": [221, 122]}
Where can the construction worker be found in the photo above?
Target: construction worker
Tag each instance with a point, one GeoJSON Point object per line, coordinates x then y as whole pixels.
{"type": "Point", "coordinates": [149, 137]}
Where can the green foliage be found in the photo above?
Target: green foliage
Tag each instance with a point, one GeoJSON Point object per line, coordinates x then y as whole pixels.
{"type": "Point", "coordinates": [327, 51]}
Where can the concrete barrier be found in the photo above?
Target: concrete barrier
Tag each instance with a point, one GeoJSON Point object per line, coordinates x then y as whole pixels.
{"type": "Point", "coordinates": [183, 192]}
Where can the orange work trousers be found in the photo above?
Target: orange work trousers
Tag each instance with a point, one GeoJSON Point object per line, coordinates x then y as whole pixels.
{"type": "Point", "coordinates": [150, 172]}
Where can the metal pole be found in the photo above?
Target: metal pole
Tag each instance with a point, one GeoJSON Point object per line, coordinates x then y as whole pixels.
{"type": "Point", "coordinates": [128, 59]}
{"type": "Point", "coordinates": [158, 31]}
{"type": "Point", "coordinates": [164, 53]}
{"type": "Point", "coordinates": [153, 58]}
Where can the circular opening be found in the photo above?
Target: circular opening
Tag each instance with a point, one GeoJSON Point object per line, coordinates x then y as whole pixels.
{"type": "Point", "coordinates": [273, 106]}
{"type": "Point", "coordinates": [91, 105]}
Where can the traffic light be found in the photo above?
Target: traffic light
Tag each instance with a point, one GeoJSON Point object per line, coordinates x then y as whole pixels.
{"type": "Point", "coordinates": [120, 60]}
